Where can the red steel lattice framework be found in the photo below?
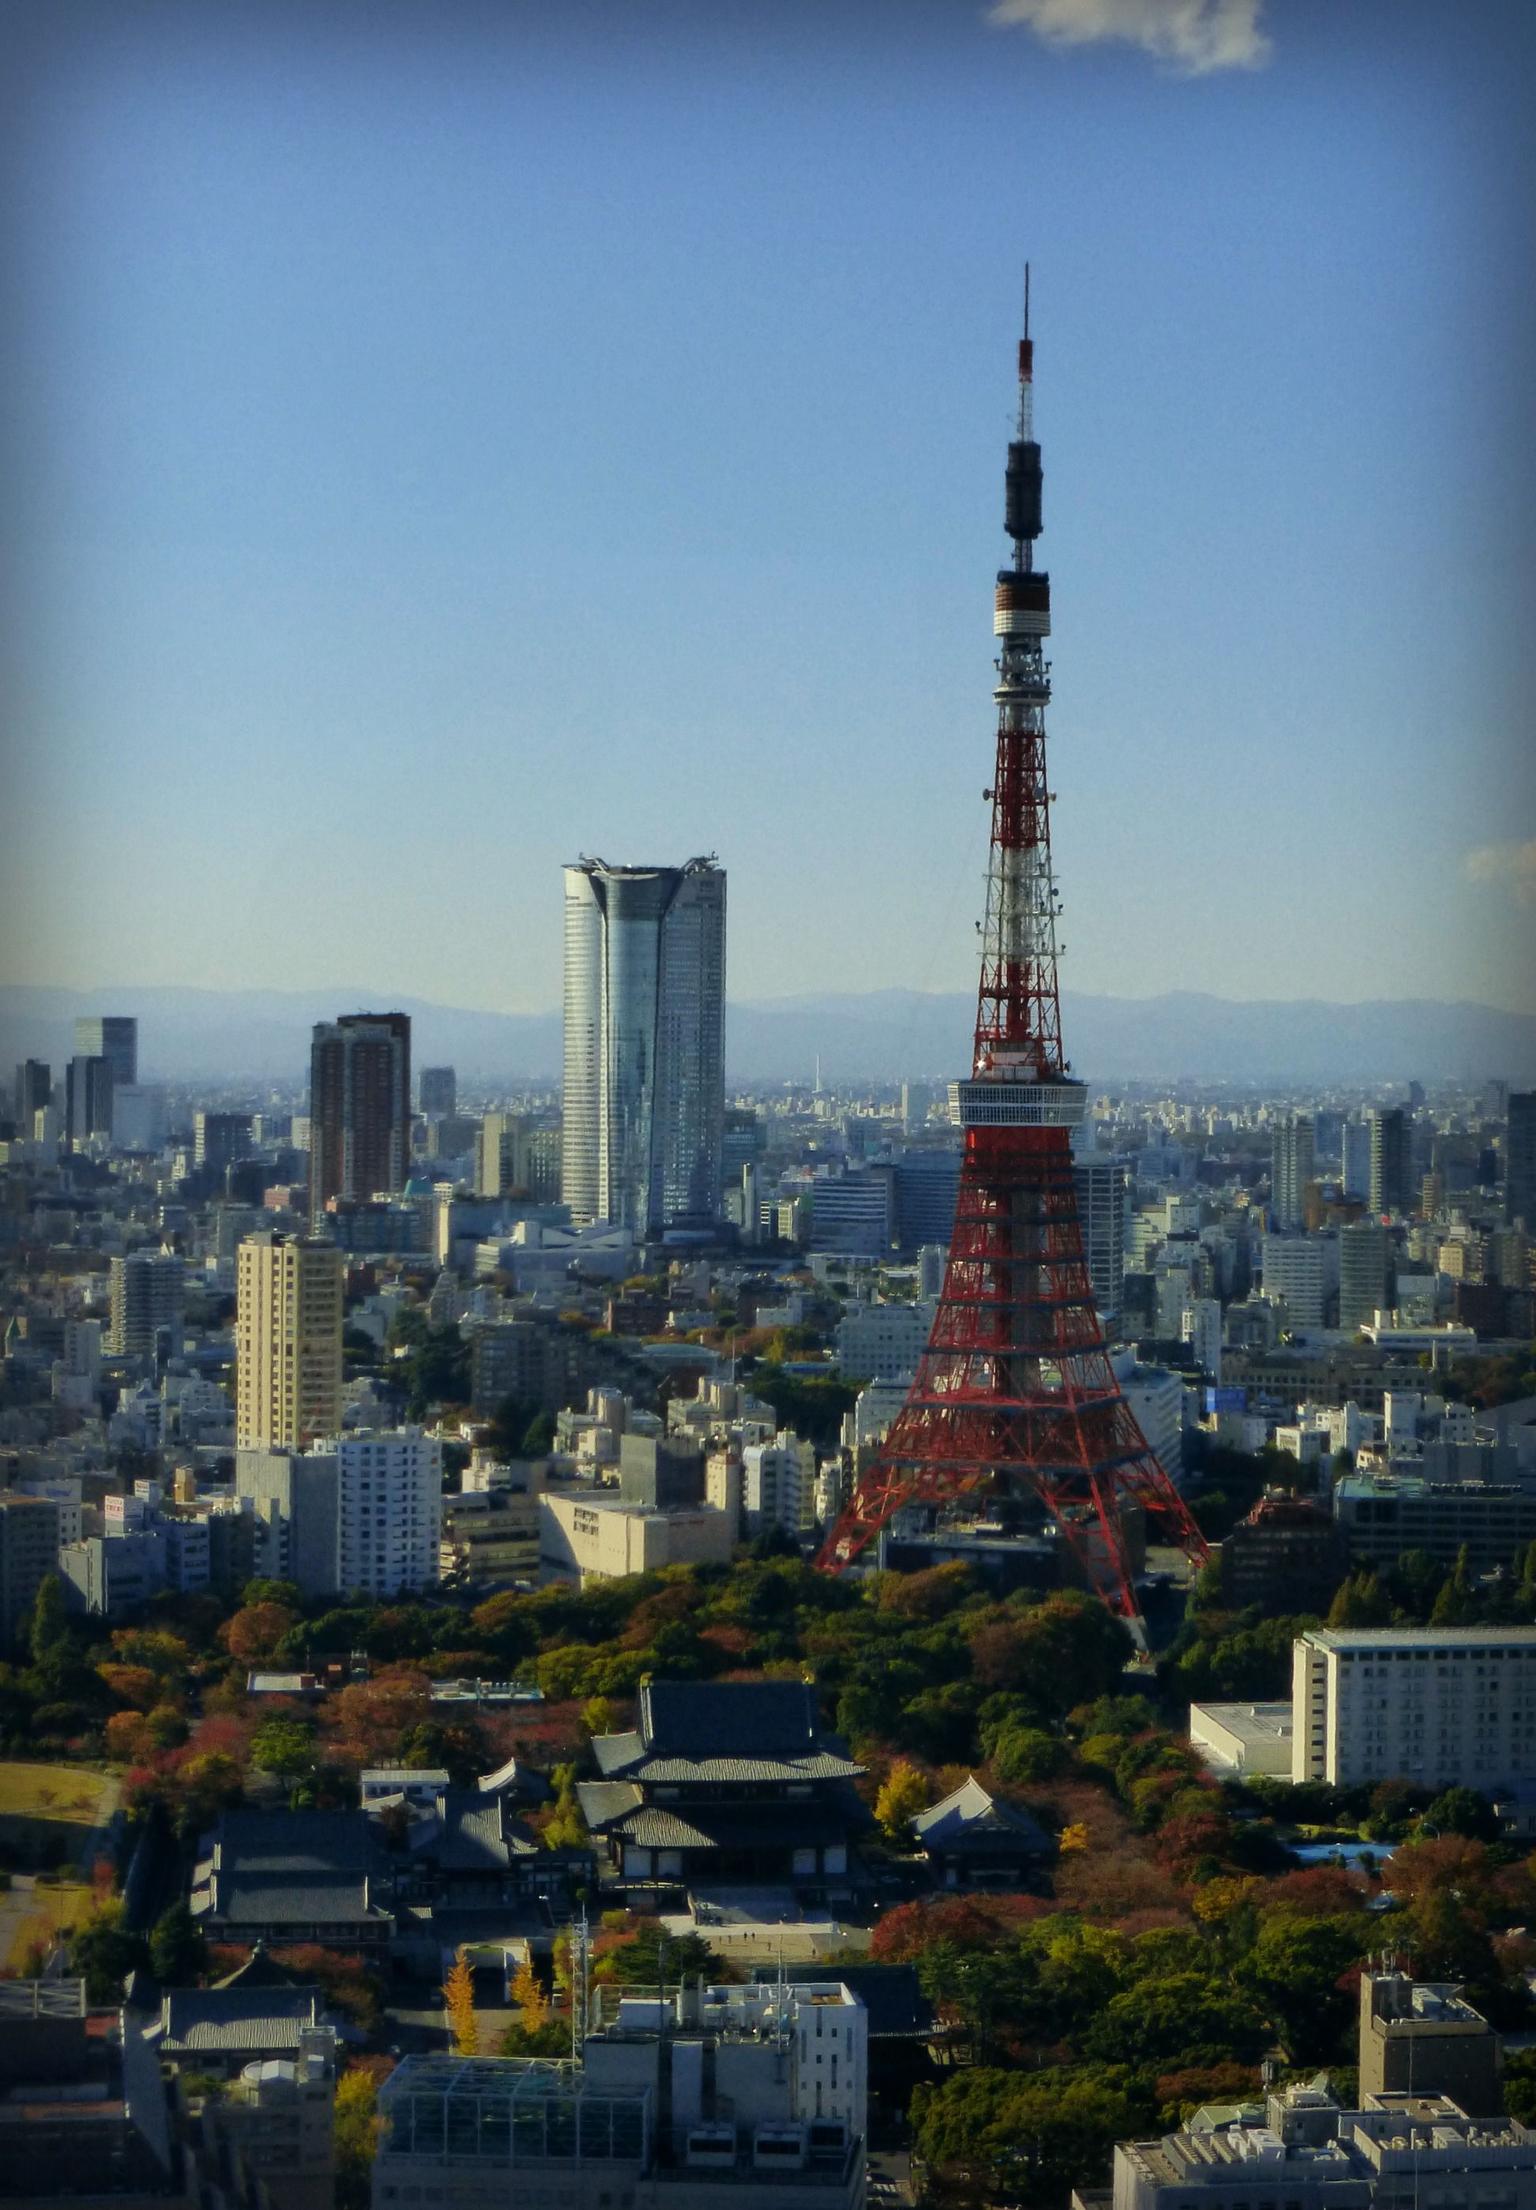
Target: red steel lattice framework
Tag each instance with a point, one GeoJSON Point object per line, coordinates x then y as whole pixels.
{"type": "Point", "coordinates": [1016, 1386]}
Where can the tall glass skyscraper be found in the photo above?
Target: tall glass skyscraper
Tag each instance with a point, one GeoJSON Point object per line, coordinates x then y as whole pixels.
{"type": "Point", "coordinates": [644, 1044]}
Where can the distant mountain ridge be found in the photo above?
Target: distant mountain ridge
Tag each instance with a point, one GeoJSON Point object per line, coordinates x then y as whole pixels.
{"type": "Point", "coordinates": [190, 1035]}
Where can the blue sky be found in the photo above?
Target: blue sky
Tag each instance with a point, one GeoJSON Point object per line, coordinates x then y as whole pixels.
{"type": "Point", "coordinates": [454, 439]}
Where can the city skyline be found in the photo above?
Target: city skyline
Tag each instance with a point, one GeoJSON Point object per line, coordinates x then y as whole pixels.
{"type": "Point", "coordinates": [442, 501]}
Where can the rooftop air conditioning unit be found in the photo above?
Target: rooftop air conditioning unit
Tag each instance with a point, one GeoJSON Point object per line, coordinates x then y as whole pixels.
{"type": "Point", "coordinates": [711, 2148]}
{"type": "Point", "coordinates": [779, 2149]}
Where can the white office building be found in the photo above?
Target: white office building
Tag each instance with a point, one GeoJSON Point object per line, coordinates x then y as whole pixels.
{"type": "Point", "coordinates": [389, 1506]}
{"type": "Point", "coordinates": [778, 1484]}
{"type": "Point", "coordinates": [883, 1340]}
{"type": "Point", "coordinates": [1438, 1706]}
{"type": "Point", "coordinates": [1157, 1399]}
{"type": "Point", "coordinates": [1301, 1272]}
{"type": "Point", "coordinates": [1200, 1328]}
{"type": "Point", "coordinates": [1101, 1213]}
{"type": "Point", "coordinates": [644, 1044]}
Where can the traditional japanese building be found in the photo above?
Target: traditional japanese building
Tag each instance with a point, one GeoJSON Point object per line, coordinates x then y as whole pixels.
{"type": "Point", "coordinates": [719, 1783]}
{"type": "Point", "coordinates": [976, 1840]}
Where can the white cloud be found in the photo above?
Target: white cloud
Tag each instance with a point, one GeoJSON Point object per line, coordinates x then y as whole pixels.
{"type": "Point", "coordinates": [1196, 36]}
{"type": "Point", "coordinates": [1512, 864]}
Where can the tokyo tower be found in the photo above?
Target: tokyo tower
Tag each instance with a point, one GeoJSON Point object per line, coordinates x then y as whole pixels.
{"type": "Point", "coordinates": [1015, 1389]}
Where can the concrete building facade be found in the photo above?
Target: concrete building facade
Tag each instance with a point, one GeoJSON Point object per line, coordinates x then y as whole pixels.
{"type": "Point", "coordinates": [1438, 1706]}
{"type": "Point", "coordinates": [288, 1306]}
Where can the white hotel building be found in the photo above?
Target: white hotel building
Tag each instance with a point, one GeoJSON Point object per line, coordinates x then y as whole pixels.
{"type": "Point", "coordinates": [1439, 1706]}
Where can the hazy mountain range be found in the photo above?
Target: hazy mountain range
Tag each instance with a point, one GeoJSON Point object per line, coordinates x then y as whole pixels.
{"type": "Point", "coordinates": [881, 1035]}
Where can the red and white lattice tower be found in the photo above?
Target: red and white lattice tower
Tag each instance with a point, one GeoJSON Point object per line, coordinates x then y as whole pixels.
{"type": "Point", "coordinates": [1015, 1389]}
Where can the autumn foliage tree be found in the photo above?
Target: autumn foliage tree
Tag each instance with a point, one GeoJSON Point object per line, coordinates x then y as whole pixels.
{"type": "Point", "coordinates": [903, 1794]}
{"type": "Point", "coordinates": [459, 2001]}
{"type": "Point", "coordinates": [529, 1996]}
{"type": "Point", "coordinates": [251, 1634]}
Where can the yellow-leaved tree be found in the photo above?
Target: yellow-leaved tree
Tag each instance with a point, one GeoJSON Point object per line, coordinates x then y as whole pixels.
{"type": "Point", "coordinates": [903, 1793]}
{"type": "Point", "coordinates": [459, 2000]}
{"type": "Point", "coordinates": [528, 1994]}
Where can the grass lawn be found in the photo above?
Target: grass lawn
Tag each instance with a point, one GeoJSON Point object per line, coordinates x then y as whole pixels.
{"type": "Point", "coordinates": [65, 1793]}
{"type": "Point", "coordinates": [47, 1813]}
{"type": "Point", "coordinates": [49, 1911]}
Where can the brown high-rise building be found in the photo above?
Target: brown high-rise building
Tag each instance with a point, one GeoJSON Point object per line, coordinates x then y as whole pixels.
{"type": "Point", "coordinates": [359, 1108]}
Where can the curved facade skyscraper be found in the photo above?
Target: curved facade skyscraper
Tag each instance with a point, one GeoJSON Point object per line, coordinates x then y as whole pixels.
{"type": "Point", "coordinates": [644, 1044]}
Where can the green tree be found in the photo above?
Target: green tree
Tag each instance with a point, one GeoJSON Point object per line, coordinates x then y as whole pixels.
{"type": "Point", "coordinates": [1293, 1972]}
{"type": "Point", "coordinates": [1520, 2085]}
{"type": "Point", "coordinates": [1361, 1601]}
{"type": "Point", "coordinates": [103, 1953]}
{"type": "Point", "coordinates": [1462, 1811]}
{"type": "Point", "coordinates": [1175, 2018]}
{"type": "Point", "coordinates": [538, 1438]}
{"type": "Point", "coordinates": [655, 1956]}
{"type": "Point", "coordinates": [566, 1828]}
{"type": "Point", "coordinates": [1022, 1755]}
{"type": "Point", "coordinates": [178, 1954]}
{"type": "Point", "coordinates": [1459, 1603]}
{"type": "Point", "coordinates": [48, 1634]}
{"type": "Point", "coordinates": [285, 1747]}
{"type": "Point", "coordinates": [1029, 2136]}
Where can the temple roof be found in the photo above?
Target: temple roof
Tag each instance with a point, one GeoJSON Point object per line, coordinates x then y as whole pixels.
{"type": "Point", "coordinates": [706, 1731]}
{"type": "Point", "coordinates": [970, 1818]}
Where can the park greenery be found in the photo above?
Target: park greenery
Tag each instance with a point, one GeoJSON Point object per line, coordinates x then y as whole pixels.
{"type": "Point", "coordinates": [1169, 1948]}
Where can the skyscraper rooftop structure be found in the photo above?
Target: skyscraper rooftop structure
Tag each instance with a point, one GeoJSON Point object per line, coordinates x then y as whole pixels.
{"type": "Point", "coordinates": [644, 1044]}
{"type": "Point", "coordinates": [1016, 1389]}
{"type": "Point", "coordinates": [110, 1036]}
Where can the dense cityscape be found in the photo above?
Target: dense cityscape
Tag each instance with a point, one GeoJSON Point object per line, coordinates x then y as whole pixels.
{"type": "Point", "coordinates": [646, 1638]}
{"type": "Point", "coordinates": [450, 1748]}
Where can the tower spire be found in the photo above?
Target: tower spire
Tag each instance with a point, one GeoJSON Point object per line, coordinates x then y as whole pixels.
{"type": "Point", "coordinates": [1016, 1388]}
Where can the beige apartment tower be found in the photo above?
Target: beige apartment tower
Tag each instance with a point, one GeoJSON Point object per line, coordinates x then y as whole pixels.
{"type": "Point", "coordinates": [287, 1342]}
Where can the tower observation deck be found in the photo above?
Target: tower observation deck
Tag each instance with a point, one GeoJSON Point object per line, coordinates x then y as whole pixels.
{"type": "Point", "coordinates": [1015, 1391]}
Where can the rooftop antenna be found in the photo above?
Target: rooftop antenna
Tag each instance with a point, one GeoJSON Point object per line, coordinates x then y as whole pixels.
{"type": "Point", "coordinates": [581, 1985]}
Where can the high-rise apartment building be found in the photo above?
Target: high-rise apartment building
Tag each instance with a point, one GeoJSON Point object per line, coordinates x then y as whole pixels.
{"type": "Point", "coordinates": [1355, 1158]}
{"type": "Point", "coordinates": [1365, 1273]}
{"type": "Point", "coordinates": [390, 1496]}
{"type": "Point", "coordinates": [439, 1090]}
{"type": "Point", "coordinates": [288, 1304]}
{"type": "Point", "coordinates": [1520, 1160]}
{"type": "Point", "coordinates": [146, 1290]}
{"type": "Point", "coordinates": [34, 1092]}
{"type": "Point", "coordinates": [114, 1038]}
{"type": "Point", "coordinates": [644, 1043]}
{"type": "Point", "coordinates": [1390, 1160]}
{"type": "Point", "coordinates": [1100, 1185]}
{"type": "Point", "coordinates": [1293, 1164]}
{"type": "Point", "coordinates": [359, 1108]}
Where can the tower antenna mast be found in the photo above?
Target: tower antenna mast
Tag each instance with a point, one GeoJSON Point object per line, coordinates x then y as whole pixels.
{"type": "Point", "coordinates": [1016, 1390]}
